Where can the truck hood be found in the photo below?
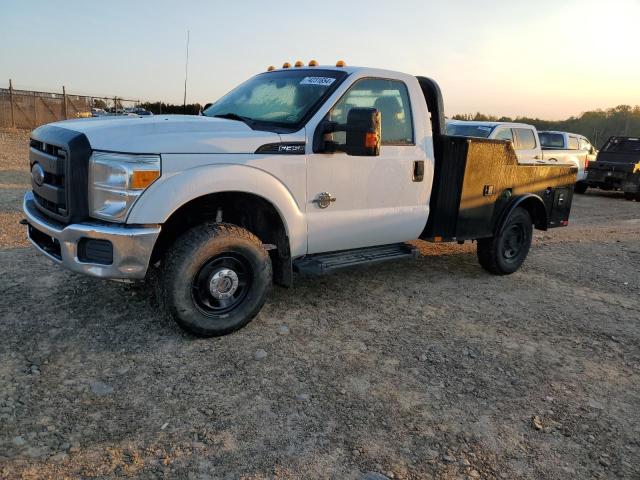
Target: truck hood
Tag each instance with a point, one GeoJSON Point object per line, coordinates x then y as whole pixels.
{"type": "Point", "coordinates": [170, 134]}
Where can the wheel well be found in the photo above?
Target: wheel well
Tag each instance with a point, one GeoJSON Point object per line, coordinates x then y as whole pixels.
{"type": "Point", "coordinates": [537, 210]}
{"type": "Point", "coordinates": [246, 210]}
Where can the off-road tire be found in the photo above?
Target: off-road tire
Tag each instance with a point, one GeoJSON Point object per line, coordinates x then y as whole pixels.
{"type": "Point", "coordinates": [497, 255]}
{"type": "Point", "coordinates": [580, 187]}
{"type": "Point", "coordinates": [183, 265]}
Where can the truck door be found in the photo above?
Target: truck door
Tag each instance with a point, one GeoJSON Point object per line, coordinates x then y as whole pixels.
{"type": "Point", "coordinates": [369, 200]}
{"type": "Point", "coordinates": [526, 146]}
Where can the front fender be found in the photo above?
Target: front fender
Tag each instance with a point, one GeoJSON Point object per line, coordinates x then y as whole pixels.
{"type": "Point", "coordinates": [175, 189]}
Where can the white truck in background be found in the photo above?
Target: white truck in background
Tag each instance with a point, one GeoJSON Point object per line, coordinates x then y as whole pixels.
{"type": "Point", "coordinates": [523, 137]}
{"type": "Point", "coordinates": [571, 147]}
{"type": "Point", "coordinates": [531, 146]}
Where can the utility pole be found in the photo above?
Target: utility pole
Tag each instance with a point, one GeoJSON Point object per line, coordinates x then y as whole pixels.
{"type": "Point", "coordinates": [186, 67]}
{"type": "Point", "coordinates": [13, 118]}
{"type": "Point", "coordinates": [64, 100]}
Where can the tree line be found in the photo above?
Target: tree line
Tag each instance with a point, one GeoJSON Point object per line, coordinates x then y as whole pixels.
{"type": "Point", "coordinates": [158, 108]}
{"type": "Point", "coordinates": [596, 125]}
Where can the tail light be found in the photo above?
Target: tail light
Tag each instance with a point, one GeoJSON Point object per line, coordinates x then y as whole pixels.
{"type": "Point", "coordinates": [586, 163]}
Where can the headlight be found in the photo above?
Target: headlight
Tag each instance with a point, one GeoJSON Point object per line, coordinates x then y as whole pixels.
{"type": "Point", "coordinates": [116, 181]}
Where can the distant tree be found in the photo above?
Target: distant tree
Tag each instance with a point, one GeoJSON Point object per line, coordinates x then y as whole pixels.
{"type": "Point", "coordinates": [99, 103]}
{"type": "Point", "coordinates": [169, 108]}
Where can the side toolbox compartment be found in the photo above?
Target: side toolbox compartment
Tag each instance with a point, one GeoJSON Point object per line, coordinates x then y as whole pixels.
{"type": "Point", "coordinates": [561, 206]}
{"type": "Point", "coordinates": [475, 180]}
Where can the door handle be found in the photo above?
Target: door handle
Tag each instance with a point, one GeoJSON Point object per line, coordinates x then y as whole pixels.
{"type": "Point", "coordinates": [537, 157]}
{"type": "Point", "coordinates": [418, 170]}
{"type": "Point", "coordinates": [324, 199]}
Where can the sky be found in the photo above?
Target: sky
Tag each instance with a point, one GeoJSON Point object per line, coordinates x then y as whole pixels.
{"type": "Point", "coordinates": [544, 58]}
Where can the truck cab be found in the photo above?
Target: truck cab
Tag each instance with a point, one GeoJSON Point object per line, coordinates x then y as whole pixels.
{"type": "Point", "coordinates": [305, 168]}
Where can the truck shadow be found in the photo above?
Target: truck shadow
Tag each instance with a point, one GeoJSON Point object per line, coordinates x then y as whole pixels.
{"type": "Point", "coordinates": [613, 194]}
{"type": "Point", "coordinates": [44, 303]}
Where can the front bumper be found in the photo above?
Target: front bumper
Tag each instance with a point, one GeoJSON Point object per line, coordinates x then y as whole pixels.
{"type": "Point", "coordinates": [132, 246]}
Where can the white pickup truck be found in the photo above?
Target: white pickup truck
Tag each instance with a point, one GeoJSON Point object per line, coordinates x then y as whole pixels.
{"type": "Point", "coordinates": [569, 147]}
{"type": "Point", "coordinates": [304, 169]}
{"type": "Point", "coordinates": [532, 146]}
{"type": "Point", "coordinates": [523, 137]}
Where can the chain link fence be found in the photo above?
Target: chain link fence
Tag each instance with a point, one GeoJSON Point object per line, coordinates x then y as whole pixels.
{"type": "Point", "coordinates": [28, 109]}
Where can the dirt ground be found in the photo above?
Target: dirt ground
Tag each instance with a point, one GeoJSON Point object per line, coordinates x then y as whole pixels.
{"type": "Point", "coordinates": [418, 369]}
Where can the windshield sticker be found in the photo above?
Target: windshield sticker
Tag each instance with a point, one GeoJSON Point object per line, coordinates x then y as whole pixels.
{"type": "Point", "coordinates": [322, 81]}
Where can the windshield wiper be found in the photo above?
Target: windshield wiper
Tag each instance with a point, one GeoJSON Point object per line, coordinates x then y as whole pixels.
{"type": "Point", "coordinates": [234, 116]}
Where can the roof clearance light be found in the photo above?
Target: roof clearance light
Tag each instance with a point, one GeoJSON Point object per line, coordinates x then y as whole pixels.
{"type": "Point", "coordinates": [286, 65]}
{"type": "Point", "coordinates": [299, 64]}
{"type": "Point", "coordinates": [341, 63]}
{"type": "Point", "coordinates": [313, 63]}
{"type": "Point", "coordinates": [270, 68]}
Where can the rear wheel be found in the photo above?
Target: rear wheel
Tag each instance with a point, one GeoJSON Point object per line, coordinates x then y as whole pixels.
{"type": "Point", "coordinates": [506, 252]}
{"type": "Point", "coordinates": [580, 187]}
{"type": "Point", "coordinates": [215, 280]}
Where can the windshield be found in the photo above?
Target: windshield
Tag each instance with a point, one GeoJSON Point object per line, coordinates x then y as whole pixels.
{"type": "Point", "coordinates": [463, 130]}
{"type": "Point", "coordinates": [282, 98]}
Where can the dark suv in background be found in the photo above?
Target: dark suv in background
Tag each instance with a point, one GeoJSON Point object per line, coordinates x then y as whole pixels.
{"type": "Point", "coordinates": [617, 167]}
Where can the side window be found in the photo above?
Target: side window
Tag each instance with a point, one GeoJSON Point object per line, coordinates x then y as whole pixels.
{"type": "Point", "coordinates": [551, 140]}
{"type": "Point", "coordinates": [388, 96]}
{"type": "Point", "coordinates": [573, 143]}
{"type": "Point", "coordinates": [504, 134]}
{"type": "Point", "coordinates": [526, 139]}
{"type": "Point", "coordinates": [584, 144]}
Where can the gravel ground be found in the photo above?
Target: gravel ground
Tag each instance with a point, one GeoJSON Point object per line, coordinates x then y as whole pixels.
{"type": "Point", "coordinates": [418, 369]}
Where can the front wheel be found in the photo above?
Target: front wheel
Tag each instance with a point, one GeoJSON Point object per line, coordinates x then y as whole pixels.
{"type": "Point", "coordinates": [215, 279]}
{"type": "Point", "coordinates": [506, 252]}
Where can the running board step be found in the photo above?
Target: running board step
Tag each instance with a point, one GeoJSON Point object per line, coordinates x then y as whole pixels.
{"type": "Point", "coordinates": [323, 263]}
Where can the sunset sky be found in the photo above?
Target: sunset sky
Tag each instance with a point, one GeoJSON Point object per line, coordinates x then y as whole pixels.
{"type": "Point", "coordinates": [549, 59]}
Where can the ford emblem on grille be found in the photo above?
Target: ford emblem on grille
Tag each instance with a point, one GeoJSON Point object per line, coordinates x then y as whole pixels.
{"type": "Point", "coordinates": [37, 173]}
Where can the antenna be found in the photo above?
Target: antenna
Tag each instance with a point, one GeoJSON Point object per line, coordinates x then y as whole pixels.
{"type": "Point", "coordinates": [186, 67]}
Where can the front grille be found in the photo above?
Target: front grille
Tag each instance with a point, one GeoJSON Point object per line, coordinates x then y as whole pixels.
{"type": "Point", "coordinates": [59, 159]}
{"type": "Point", "coordinates": [51, 206]}
{"type": "Point", "coordinates": [51, 194]}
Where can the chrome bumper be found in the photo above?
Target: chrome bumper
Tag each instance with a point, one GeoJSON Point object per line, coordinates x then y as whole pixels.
{"type": "Point", "coordinates": [132, 246]}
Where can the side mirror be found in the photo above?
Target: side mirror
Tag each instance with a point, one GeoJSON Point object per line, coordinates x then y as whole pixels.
{"type": "Point", "coordinates": [206, 105]}
{"type": "Point", "coordinates": [363, 134]}
{"type": "Point", "coordinates": [364, 131]}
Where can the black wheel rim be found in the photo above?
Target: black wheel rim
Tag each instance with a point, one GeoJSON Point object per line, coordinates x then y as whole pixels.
{"type": "Point", "coordinates": [221, 284]}
{"type": "Point", "coordinates": [514, 241]}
